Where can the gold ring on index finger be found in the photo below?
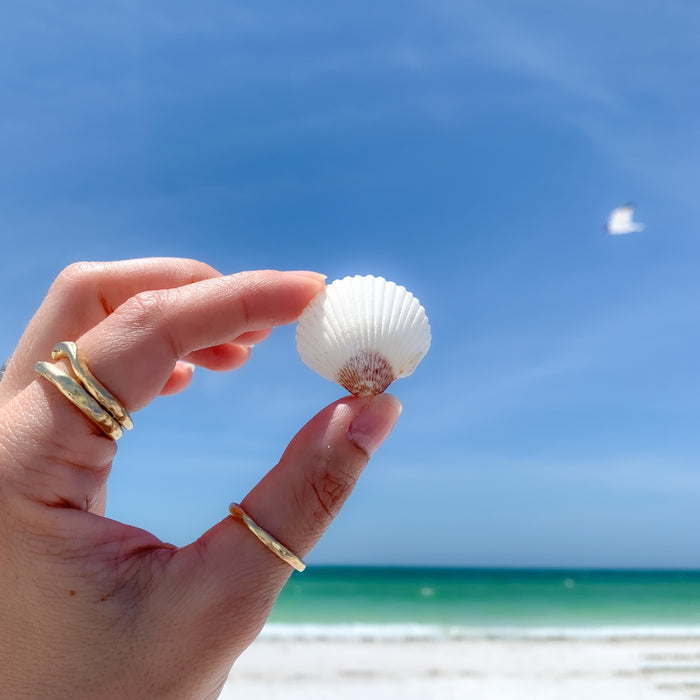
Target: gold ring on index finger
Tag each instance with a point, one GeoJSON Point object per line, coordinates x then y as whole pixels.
{"type": "Point", "coordinates": [85, 391]}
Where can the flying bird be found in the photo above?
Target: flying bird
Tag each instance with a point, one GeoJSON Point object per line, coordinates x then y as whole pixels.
{"type": "Point", "coordinates": [620, 221]}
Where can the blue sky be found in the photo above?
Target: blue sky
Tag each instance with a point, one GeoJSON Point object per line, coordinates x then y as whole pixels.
{"type": "Point", "coordinates": [470, 151]}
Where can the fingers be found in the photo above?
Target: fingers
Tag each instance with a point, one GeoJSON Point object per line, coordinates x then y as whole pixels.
{"type": "Point", "coordinates": [253, 337]}
{"type": "Point", "coordinates": [229, 356]}
{"type": "Point", "coordinates": [179, 380]}
{"type": "Point", "coordinates": [302, 495]}
{"type": "Point", "coordinates": [134, 353]}
{"type": "Point", "coordinates": [83, 295]}
{"type": "Point", "coordinates": [221, 358]}
{"type": "Point", "coordinates": [295, 503]}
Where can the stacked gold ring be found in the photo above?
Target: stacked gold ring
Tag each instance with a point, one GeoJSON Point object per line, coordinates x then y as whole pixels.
{"type": "Point", "coordinates": [85, 391]}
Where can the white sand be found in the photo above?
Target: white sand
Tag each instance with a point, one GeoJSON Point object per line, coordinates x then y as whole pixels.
{"type": "Point", "coordinates": [654, 669]}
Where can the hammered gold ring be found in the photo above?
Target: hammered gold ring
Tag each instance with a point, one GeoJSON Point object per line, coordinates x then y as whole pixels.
{"type": "Point", "coordinates": [85, 391]}
{"type": "Point", "coordinates": [266, 538]}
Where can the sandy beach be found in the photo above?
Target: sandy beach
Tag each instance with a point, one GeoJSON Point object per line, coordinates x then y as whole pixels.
{"type": "Point", "coordinates": [480, 669]}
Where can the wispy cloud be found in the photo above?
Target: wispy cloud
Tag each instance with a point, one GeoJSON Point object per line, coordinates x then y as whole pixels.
{"type": "Point", "coordinates": [598, 69]}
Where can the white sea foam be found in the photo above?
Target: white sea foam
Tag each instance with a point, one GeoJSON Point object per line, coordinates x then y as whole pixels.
{"type": "Point", "coordinates": [418, 632]}
{"type": "Point", "coordinates": [353, 632]}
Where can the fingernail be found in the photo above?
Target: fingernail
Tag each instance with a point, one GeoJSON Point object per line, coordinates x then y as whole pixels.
{"type": "Point", "coordinates": [309, 274]}
{"type": "Point", "coordinates": [187, 365]}
{"type": "Point", "coordinates": [374, 423]}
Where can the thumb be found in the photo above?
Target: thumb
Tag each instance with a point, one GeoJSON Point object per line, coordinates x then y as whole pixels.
{"type": "Point", "coordinates": [295, 502]}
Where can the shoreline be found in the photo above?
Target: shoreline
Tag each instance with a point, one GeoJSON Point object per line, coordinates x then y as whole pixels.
{"type": "Point", "coordinates": [419, 632]}
{"type": "Point", "coordinates": [651, 668]}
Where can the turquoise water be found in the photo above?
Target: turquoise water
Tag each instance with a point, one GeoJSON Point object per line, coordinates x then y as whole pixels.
{"type": "Point", "coordinates": [412, 602]}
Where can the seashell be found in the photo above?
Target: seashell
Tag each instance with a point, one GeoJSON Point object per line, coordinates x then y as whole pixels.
{"type": "Point", "coordinates": [363, 333]}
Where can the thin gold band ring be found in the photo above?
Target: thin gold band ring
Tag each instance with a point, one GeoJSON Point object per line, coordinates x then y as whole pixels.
{"type": "Point", "coordinates": [266, 538]}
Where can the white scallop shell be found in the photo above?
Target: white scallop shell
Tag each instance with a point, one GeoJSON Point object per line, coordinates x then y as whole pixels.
{"type": "Point", "coordinates": [363, 333]}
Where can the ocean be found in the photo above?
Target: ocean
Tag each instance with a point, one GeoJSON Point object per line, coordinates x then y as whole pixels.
{"type": "Point", "coordinates": [444, 603]}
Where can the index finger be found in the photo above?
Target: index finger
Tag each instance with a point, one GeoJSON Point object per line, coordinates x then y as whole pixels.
{"type": "Point", "coordinates": [132, 353]}
{"type": "Point", "coordinates": [134, 350]}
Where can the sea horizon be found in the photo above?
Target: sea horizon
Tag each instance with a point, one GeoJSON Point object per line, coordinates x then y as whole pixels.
{"type": "Point", "coordinates": [405, 603]}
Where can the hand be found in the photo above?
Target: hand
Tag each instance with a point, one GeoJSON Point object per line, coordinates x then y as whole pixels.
{"type": "Point", "coordinates": [93, 608]}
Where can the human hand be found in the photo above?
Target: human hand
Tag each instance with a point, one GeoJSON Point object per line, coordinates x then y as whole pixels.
{"type": "Point", "coordinates": [94, 608]}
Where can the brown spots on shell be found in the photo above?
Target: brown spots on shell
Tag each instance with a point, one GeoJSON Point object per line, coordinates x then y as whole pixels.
{"type": "Point", "coordinates": [366, 374]}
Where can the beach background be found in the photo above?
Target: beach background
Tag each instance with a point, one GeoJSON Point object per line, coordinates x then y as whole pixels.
{"type": "Point", "coordinates": [471, 151]}
{"type": "Point", "coordinates": [496, 634]}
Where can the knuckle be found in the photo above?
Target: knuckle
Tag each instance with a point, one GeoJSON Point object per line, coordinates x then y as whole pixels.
{"type": "Point", "coordinates": [326, 490]}
{"type": "Point", "coordinates": [80, 283]}
{"type": "Point", "coordinates": [147, 311]}
{"type": "Point", "coordinates": [150, 307]}
{"type": "Point", "coordinates": [147, 304]}
{"type": "Point", "coordinates": [77, 276]}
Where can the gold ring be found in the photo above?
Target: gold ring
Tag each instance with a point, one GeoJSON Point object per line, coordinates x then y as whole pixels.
{"type": "Point", "coordinates": [86, 393]}
{"type": "Point", "coordinates": [69, 350]}
{"type": "Point", "coordinates": [266, 538]}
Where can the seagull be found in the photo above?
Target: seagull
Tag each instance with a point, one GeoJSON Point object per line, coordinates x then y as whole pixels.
{"type": "Point", "coordinates": [620, 221]}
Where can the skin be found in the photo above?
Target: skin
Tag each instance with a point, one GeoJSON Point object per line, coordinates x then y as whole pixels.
{"type": "Point", "coordinates": [94, 608]}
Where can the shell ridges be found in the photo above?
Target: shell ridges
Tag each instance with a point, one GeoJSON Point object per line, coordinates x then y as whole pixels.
{"type": "Point", "coordinates": [363, 332]}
